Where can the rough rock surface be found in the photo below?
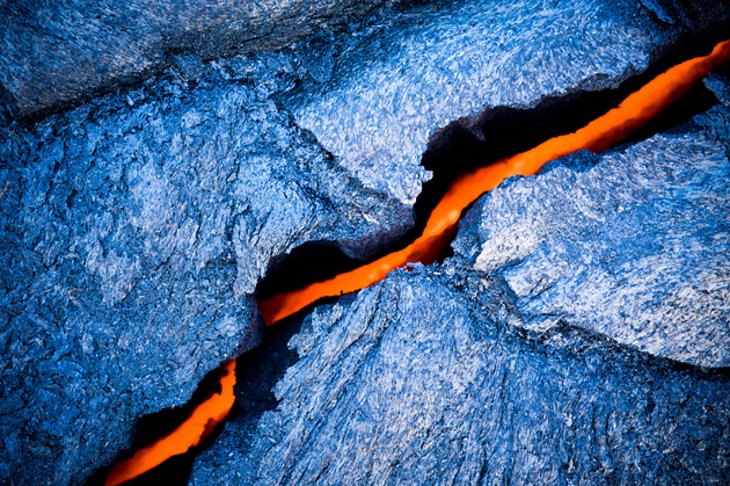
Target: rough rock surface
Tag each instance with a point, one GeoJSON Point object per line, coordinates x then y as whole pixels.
{"type": "Point", "coordinates": [426, 376]}
{"type": "Point", "coordinates": [55, 53]}
{"type": "Point", "coordinates": [459, 59]}
{"type": "Point", "coordinates": [134, 229]}
{"type": "Point", "coordinates": [632, 245]}
{"type": "Point", "coordinates": [133, 232]}
{"type": "Point", "coordinates": [532, 354]}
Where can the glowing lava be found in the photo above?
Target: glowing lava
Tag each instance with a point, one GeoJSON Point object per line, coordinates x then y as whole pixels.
{"type": "Point", "coordinates": [598, 135]}
{"type": "Point", "coordinates": [601, 133]}
{"type": "Point", "coordinates": [188, 434]}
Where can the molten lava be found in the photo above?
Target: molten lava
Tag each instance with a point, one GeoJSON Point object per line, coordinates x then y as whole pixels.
{"type": "Point", "coordinates": [601, 133]}
{"type": "Point", "coordinates": [189, 434]}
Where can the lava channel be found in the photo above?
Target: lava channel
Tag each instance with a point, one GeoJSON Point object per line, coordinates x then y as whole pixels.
{"type": "Point", "coordinates": [600, 134]}
{"type": "Point", "coordinates": [603, 132]}
{"type": "Point", "coordinates": [190, 433]}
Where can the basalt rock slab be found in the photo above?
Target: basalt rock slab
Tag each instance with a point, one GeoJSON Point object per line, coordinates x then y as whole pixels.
{"type": "Point", "coordinates": [631, 244]}
{"type": "Point", "coordinates": [56, 54]}
{"type": "Point", "coordinates": [428, 375]}
{"type": "Point", "coordinates": [134, 231]}
{"type": "Point", "coordinates": [392, 86]}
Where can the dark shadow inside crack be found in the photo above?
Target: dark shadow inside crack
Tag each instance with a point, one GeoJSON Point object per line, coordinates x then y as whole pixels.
{"type": "Point", "coordinates": [454, 150]}
{"type": "Point", "coordinates": [303, 265]}
{"type": "Point", "coordinates": [467, 144]}
{"type": "Point", "coordinates": [260, 369]}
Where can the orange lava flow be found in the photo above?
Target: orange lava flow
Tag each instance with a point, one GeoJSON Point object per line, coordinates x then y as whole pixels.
{"type": "Point", "coordinates": [598, 135]}
{"type": "Point", "coordinates": [603, 132]}
{"type": "Point", "coordinates": [188, 434]}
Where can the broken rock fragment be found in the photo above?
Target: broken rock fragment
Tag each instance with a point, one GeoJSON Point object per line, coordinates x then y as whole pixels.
{"type": "Point", "coordinates": [428, 375]}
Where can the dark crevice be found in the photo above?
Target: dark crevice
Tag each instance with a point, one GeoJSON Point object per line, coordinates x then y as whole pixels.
{"type": "Point", "coordinates": [457, 148]}
{"type": "Point", "coordinates": [303, 265]}
{"type": "Point", "coordinates": [152, 427]}
{"type": "Point", "coordinates": [466, 144]}
{"type": "Point", "coordinates": [257, 372]}
{"type": "Point", "coordinates": [262, 368]}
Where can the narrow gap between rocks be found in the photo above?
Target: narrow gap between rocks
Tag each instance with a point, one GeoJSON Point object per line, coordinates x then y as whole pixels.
{"type": "Point", "coordinates": [464, 145]}
{"type": "Point", "coordinates": [457, 149]}
{"type": "Point", "coordinates": [150, 428]}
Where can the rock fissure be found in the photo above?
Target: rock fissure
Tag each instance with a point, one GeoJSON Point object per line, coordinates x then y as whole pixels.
{"type": "Point", "coordinates": [636, 118]}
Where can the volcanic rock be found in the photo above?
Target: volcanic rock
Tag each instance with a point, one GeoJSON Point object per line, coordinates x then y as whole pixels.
{"type": "Point", "coordinates": [134, 231]}
{"type": "Point", "coordinates": [631, 244]}
{"type": "Point", "coordinates": [135, 228]}
{"type": "Point", "coordinates": [54, 54]}
{"type": "Point", "coordinates": [574, 335]}
{"type": "Point", "coordinates": [394, 85]}
{"type": "Point", "coordinates": [429, 375]}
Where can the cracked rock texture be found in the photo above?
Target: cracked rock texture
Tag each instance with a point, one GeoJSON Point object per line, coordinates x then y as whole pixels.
{"type": "Point", "coordinates": [135, 227]}
{"type": "Point", "coordinates": [454, 60]}
{"type": "Point", "coordinates": [55, 53]}
{"type": "Point", "coordinates": [632, 244]}
{"type": "Point", "coordinates": [539, 351]}
{"type": "Point", "coordinates": [133, 233]}
{"type": "Point", "coordinates": [428, 375]}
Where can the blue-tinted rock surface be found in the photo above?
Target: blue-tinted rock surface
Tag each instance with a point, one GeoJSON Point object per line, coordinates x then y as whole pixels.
{"type": "Point", "coordinates": [454, 60]}
{"type": "Point", "coordinates": [426, 376]}
{"type": "Point", "coordinates": [632, 244]}
{"type": "Point", "coordinates": [52, 54]}
{"type": "Point", "coordinates": [539, 351]}
{"type": "Point", "coordinates": [135, 228]}
{"type": "Point", "coordinates": [134, 231]}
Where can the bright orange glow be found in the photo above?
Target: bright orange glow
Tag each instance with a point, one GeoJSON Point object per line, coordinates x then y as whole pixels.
{"type": "Point", "coordinates": [601, 133]}
{"type": "Point", "coordinates": [189, 434]}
